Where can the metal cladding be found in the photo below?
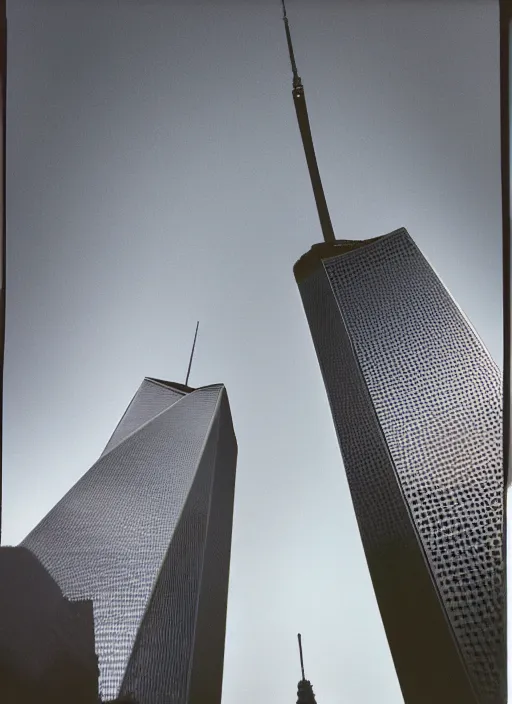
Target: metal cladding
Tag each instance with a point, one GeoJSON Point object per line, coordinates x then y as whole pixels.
{"type": "Point", "coordinates": [146, 535]}
{"type": "Point", "coordinates": [416, 402]}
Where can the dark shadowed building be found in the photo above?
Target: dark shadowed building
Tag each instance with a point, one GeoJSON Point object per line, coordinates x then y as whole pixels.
{"type": "Point", "coordinates": [46, 642]}
{"type": "Point", "coordinates": [146, 536]}
{"type": "Point", "coordinates": [305, 694]}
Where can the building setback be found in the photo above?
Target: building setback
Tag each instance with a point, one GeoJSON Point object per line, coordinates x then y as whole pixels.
{"type": "Point", "coordinates": [145, 535]}
{"type": "Point", "coordinates": [416, 403]}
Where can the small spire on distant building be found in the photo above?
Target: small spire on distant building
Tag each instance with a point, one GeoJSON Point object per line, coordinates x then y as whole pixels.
{"type": "Point", "coordinates": [305, 694]}
{"type": "Point", "coordinates": [192, 354]}
{"type": "Point", "coordinates": [301, 110]}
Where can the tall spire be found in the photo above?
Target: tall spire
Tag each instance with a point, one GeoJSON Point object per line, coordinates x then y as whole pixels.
{"type": "Point", "coordinates": [192, 354]}
{"type": "Point", "coordinates": [299, 638]}
{"type": "Point", "coordinates": [305, 694]}
{"type": "Point", "coordinates": [307, 140]}
{"type": "Point", "coordinates": [297, 82]}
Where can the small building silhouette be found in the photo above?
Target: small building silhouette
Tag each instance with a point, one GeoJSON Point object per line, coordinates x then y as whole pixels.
{"type": "Point", "coordinates": [47, 652]}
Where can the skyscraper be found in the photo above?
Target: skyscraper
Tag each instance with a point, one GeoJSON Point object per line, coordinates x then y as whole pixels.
{"type": "Point", "coordinates": [145, 535]}
{"type": "Point", "coordinates": [416, 401]}
{"type": "Point", "coordinates": [305, 694]}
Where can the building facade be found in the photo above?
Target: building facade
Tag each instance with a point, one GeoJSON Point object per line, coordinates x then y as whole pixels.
{"type": "Point", "coordinates": [145, 535]}
{"type": "Point", "coordinates": [416, 403]}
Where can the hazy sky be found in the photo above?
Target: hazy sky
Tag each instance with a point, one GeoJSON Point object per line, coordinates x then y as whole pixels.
{"type": "Point", "coordinates": [155, 178]}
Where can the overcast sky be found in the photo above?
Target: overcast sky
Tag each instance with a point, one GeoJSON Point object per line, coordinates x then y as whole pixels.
{"type": "Point", "coordinates": [156, 177]}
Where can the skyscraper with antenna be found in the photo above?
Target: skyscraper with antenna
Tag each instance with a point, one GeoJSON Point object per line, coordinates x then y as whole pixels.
{"type": "Point", "coordinates": [305, 694]}
{"type": "Point", "coordinates": [416, 403]}
{"type": "Point", "coordinates": [145, 535]}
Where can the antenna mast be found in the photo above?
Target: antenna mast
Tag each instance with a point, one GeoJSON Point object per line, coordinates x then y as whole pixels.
{"type": "Point", "coordinates": [301, 658]}
{"type": "Point", "coordinates": [192, 354]}
{"type": "Point", "coordinates": [307, 140]}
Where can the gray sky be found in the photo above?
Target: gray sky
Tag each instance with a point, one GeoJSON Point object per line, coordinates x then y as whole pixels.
{"type": "Point", "coordinates": [156, 177]}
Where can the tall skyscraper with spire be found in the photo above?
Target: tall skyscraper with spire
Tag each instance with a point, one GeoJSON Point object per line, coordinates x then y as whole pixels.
{"type": "Point", "coordinates": [416, 403]}
{"type": "Point", "coordinates": [145, 535]}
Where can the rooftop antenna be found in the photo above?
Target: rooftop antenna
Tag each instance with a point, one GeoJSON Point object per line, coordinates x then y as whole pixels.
{"type": "Point", "coordinates": [299, 638]}
{"type": "Point", "coordinates": [307, 140]}
{"type": "Point", "coordinates": [305, 694]}
{"type": "Point", "coordinates": [192, 354]}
